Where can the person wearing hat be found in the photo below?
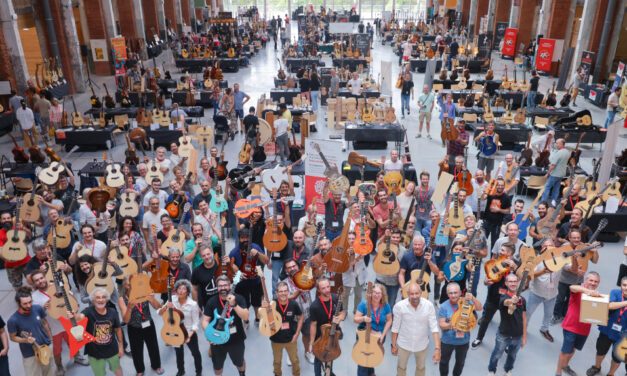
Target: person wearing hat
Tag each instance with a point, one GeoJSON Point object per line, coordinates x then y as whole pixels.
{"type": "Point", "coordinates": [245, 259]}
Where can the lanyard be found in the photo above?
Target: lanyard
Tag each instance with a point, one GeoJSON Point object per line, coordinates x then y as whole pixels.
{"type": "Point", "coordinates": [570, 198]}
{"type": "Point", "coordinates": [228, 311]}
{"type": "Point", "coordinates": [283, 309]}
{"type": "Point", "coordinates": [622, 310]}
{"type": "Point", "coordinates": [328, 311]}
{"type": "Point", "coordinates": [423, 198]}
{"type": "Point", "coordinates": [335, 208]}
{"type": "Point", "coordinates": [141, 310]}
{"type": "Point", "coordinates": [294, 255]}
{"type": "Point", "coordinates": [174, 276]}
{"type": "Point", "coordinates": [376, 314]}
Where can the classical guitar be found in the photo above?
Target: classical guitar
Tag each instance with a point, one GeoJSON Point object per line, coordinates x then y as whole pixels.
{"type": "Point", "coordinates": [129, 204]}
{"type": "Point", "coordinates": [159, 268]}
{"type": "Point", "coordinates": [363, 244]}
{"type": "Point", "coordinates": [176, 238]}
{"type": "Point", "coordinates": [464, 319]}
{"type": "Point", "coordinates": [77, 118]}
{"type": "Point", "coordinates": [120, 256]}
{"type": "Point", "coordinates": [595, 199]}
{"type": "Point", "coordinates": [367, 351]}
{"type": "Point", "coordinates": [337, 182]}
{"type": "Point", "coordinates": [386, 261]}
{"type": "Point", "coordinates": [270, 320]}
{"type": "Point", "coordinates": [304, 279]}
{"type": "Point", "coordinates": [274, 239]}
{"type": "Point", "coordinates": [14, 249]}
{"type": "Point", "coordinates": [456, 216]}
{"type": "Point", "coordinates": [57, 287]}
{"type": "Point", "coordinates": [139, 289]}
{"type": "Point", "coordinates": [174, 207]}
{"type": "Point", "coordinates": [218, 332]}
{"type": "Point", "coordinates": [555, 258]}
{"type": "Point", "coordinates": [102, 273]}
{"type": "Point", "coordinates": [114, 177]}
{"type": "Point", "coordinates": [528, 266]}
{"type": "Point", "coordinates": [327, 347]}
{"type": "Point", "coordinates": [173, 331]}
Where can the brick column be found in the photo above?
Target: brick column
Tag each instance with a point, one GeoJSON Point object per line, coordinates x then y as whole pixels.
{"type": "Point", "coordinates": [558, 22]}
{"type": "Point", "coordinates": [11, 51]}
{"type": "Point", "coordinates": [482, 10]}
{"type": "Point", "coordinates": [169, 9]}
{"type": "Point", "coordinates": [67, 37]}
{"type": "Point", "coordinates": [97, 29]}
{"type": "Point", "coordinates": [185, 12]}
{"type": "Point", "coordinates": [126, 17]}
{"type": "Point", "coordinates": [465, 8]}
{"type": "Point", "coordinates": [584, 38]}
{"type": "Point", "coordinates": [597, 28]}
{"type": "Point", "coordinates": [501, 12]}
{"type": "Point", "coordinates": [151, 21]}
{"type": "Point", "coordinates": [526, 17]}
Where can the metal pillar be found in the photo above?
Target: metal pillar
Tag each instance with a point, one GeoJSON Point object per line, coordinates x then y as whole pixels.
{"type": "Point", "coordinates": [472, 17]}
{"type": "Point", "coordinates": [513, 14]}
{"type": "Point", "coordinates": [585, 32]}
{"type": "Point", "coordinates": [607, 24]}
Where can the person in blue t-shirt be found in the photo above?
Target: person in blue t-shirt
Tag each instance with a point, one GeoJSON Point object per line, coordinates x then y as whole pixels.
{"type": "Point", "coordinates": [611, 334]}
{"type": "Point", "coordinates": [454, 340]}
{"type": "Point", "coordinates": [380, 318]}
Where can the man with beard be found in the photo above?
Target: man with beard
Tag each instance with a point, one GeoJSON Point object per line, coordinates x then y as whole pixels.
{"type": "Point", "coordinates": [236, 308]}
{"type": "Point", "coordinates": [323, 311]}
{"type": "Point", "coordinates": [479, 185]}
{"type": "Point", "coordinates": [62, 253]}
{"type": "Point", "coordinates": [287, 337]}
{"type": "Point", "coordinates": [177, 270]}
{"type": "Point", "coordinates": [303, 298]}
{"type": "Point", "coordinates": [497, 206]}
{"type": "Point", "coordinates": [41, 298]}
{"type": "Point", "coordinates": [89, 245]}
{"type": "Point", "coordinates": [27, 326]}
{"type": "Point", "coordinates": [40, 261]}
{"type": "Point", "coordinates": [575, 223]}
{"type": "Point", "coordinates": [533, 229]}
{"type": "Point", "coordinates": [193, 246]}
{"type": "Point", "coordinates": [15, 269]}
{"type": "Point", "coordinates": [203, 277]}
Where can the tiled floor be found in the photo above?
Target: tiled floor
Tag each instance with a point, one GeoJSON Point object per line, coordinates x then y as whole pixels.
{"type": "Point", "coordinates": [538, 357]}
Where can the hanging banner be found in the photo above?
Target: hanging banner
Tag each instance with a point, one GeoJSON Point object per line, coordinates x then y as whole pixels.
{"type": "Point", "coordinates": [450, 4]}
{"type": "Point", "coordinates": [587, 62]}
{"type": "Point", "coordinates": [315, 167]}
{"type": "Point", "coordinates": [509, 42]}
{"type": "Point", "coordinates": [544, 54]}
{"type": "Point", "coordinates": [619, 80]}
{"type": "Point", "coordinates": [119, 46]}
{"type": "Point", "coordinates": [499, 33]}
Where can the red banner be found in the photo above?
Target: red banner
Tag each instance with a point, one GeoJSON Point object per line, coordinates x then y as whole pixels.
{"type": "Point", "coordinates": [544, 55]}
{"type": "Point", "coordinates": [509, 42]}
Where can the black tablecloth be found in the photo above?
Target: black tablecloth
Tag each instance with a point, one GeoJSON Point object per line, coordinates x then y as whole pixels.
{"type": "Point", "coordinates": [591, 136]}
{"type": "Point", "coordinates": [164, 136]}
{"type": "Point", "coordinates": [23, 170]}
{"type": "Point", "coordinates": [288, 94]}
{"type": "Point", "coordinates": [515, 133]}
{"type": "Point", "coordinates": [149, 98]}
{"type": "Point", "coordinates": [94, 169]}
{"type": "Point", "coordinates": [294, 63]}
{"type": "Point", "coordinates": [492, 85]}
{"type": "Point", "coordinates": [420, 65]}
{"type": "Point", "coordinates": [97, 137]}
{"type": "Point", "coordinates": [370, 172]}
{"type": "Point", "coordinates": [352, 64]}
{"type": "Point", "coordinates": [6, 122]}
{"type": "Point", "coordinates": [458, 93]}
{"type": "Point", "coordinates": [373, 133]}
{"type": "Point", "coordinates": [229, 65]}
{"type": "Point", "coordinates": [556, 113]}
{"type": "Point", "coordinates": [60, 91]}
{"type": "Point", "coordinates": [517, 97]}
{"type": "Point", "coordinates": [460, 111]}
{"type": "Point", "coordinates": [344, 92]}
{"type": "Point", "coordinates": [110, 113]}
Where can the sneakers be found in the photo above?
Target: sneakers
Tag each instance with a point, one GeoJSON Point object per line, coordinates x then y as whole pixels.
{"type": "Point", "coordinates": [80, 359]}
{"type": "Point", "coordinates": [556, 320]}
{"type": "Point", "coordinates": [508, 373]}
{"type": "Point", "coordinates": [429, 137]}
{"type": "Point", "coordinates": [594, 370]}
{"type": "Point", "coordinates": [491, 374]}
{"type": "Point", "coordinates": [476, 343]}
{"type": "Point", "coordinates": [547, 335]}
{"type": "Point", "coordinates": [569, 371]}
{"type": "Point", "coordinates": [310, 357]}
{"type": "Point", "coordinates": [419, 135]}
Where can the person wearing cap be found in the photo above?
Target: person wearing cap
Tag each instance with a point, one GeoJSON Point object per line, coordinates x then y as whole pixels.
{"type": "Point", "coordinates": [245, 258]}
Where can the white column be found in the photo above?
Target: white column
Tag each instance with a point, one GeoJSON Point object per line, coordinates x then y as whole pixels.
{"type": "Point", "coordinates": [13, 42]}
{"type": "Point", "coordinates": [472, 17]}
{"type": "Point", "coordinates": [109, 18]}
{"type": "Point", "coordinates": [491, 16]}
{"type": "Point", "coordinates": [585, 31]}
{"type": "Point", "coordinates": [513, 14]}
{"type": "Point", "coordinates": [74, 49]}
{"type": "Point", "coordinates": [543, 20]}
{"type": "Point", "coordinates": [161, 17]}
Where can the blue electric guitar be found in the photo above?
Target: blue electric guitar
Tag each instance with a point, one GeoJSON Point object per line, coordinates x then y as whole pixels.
{"type": "Point", "coordinates": [487, 146]}
{"type": "Point", "coordinates": [218, 332]}
{"type": "Point", "coordinates": [523, 221]}
{"type": "Point", "coordinates": [455, 269]}
{"type": "Point", "coordinates": [217, 204]}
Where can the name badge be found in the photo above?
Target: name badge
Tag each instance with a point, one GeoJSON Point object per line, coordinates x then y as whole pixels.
{"type": "Point", "coordinates": [617, 327]}
{"type": "Point", "coordinates": [145, 324]}
{"type": "Point", "coordinates": [285, 326]}
{"type": "Point", "coordinates": [331, 283]}
{"type": "Point", "coordinates": [335, 224]}
{"type": "Point", "coordinates": [233, 329]}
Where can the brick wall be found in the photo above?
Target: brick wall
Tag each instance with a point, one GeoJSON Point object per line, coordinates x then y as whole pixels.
{"type": "Point", "coordinates": [66, 59]}
{"type": "Point", "coordinates": [526, 16]}
{"type": "Point", "coordinates": [501, 14]}
{"type": "Point", "coordinates": [6, 70]}
{"type": "Point", "coordinates": [558, 19]}
{"type": "Point", "coordinates": [465, 11]}
{"type": "Point", "coordinates": [151, 22]}
{"type": "Point", "coordinates": [126, 16]}
{"type": "Point", "coordinates": [170, 13]}
{"type": "Point", "coordinates": [96, 26]}
{"type": "Point", "coordinates": [482, 10]}
{"type": "Point", "coordinates": [187, 19]}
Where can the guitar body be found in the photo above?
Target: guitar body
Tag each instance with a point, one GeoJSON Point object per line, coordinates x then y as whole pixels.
{"type": "Point", "coordinates": [363, 244]}
{"type": "Point", "coordinates": [304, 278]}
{"type": "Point", "coordinates": [386, 261]}
{"type": "Point", "coordinates": [15, 247]}
{"type": "Point", "coordinates": [140, 288]}
{"type": "Point", "coordinates": [274, 239]}
{"type": "Point", "coordinates": [217, 204]}
{"type": "Point", "coordinates": [393, 181]}
{"type": "Point", "coordinates": [173, 208]}
{"type": "Point", "coordinates": [368, 353]}
{"type": "Point", "coordinates": [154, 172]}
{"type": "Point", "coordinates": [339, 184]}
{"type": "Point", "coordinates": [272, 178]}
{"type": "Point", "coordinates": [57, 308]}
{"type": "Point", "coordinates": [495, 270]}
{"type": "Point", "coordinates": [124, 261]}
{"type": "Point", "coordinates": [464, 319]}
{"type": "Point", "coordinates": [424, 283]}
{"type": "Point", "coordinates": [327, 346]}
{"type": "Point", "coordinates": [554, 258]}
{"type": "Point", "coordinates": [50, 175]}
{"type": "Point", "coordinates": [105, 281]}
{"type": "Point", "coordinates": [29, 210]}
{"type": "Point", "coordinates": [244, 207]}
{"type": "Point", "coordinates": [456, 219]}
{"type": "Point", "coordinates": [546, 226]}
{"type": "Point", "coordinates": [543, 159]}
{"type": "Point", "coordinates": [455, 269]}
{"type": "Point", "coordinates": [488, 147]}
{"type": "Point", "coordinates": [337, 259]}
{"type": "Point", "coordinates": [449, 132]}
{"type": "Point", "coordinates": [523, 225]}
{"type": "Point", "coordinates": [221, 171]}
{"type": "Point", "coordinates": [441, 236]}
{"type": "Point", "coordinates": [269, 320]}
{"type": "Point", "coordinates": [114, 177]}
{"type": "Point", "coordinates": [159, 277]}
{"type": "Point", "coordinates": [77, 335]}
{"type": "Point", "coordinates": [176, 239]}
{"type": "Point", "coordinates": [620, 350]}
{"type": "Point", "coordinates": [129, 205]}
{"type": "Point", "coordinates": [217, 332]}
{"type": "Point", "coordinates": [173, 331]}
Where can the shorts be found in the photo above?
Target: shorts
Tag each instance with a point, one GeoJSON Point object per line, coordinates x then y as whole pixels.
{"type": "Point", "coordinates": [99, 366]}
{"type": "Point", "coordinates": [572, 342]}
{"type": "Point", "coordinates": [252, 292]}
{"type": "Point", "coordinates": [57, 343]}
{"type": "Point", "coordinates": [234, 350]}
{"type": "Point", "coordinates": [239, 114]}
{"type": "Point", "coordinates": [486, 164]}
{"type": "Point", "coordinates": [305, 329]}
{"type": "Point", "coordinates": [405, 58]}
{"type": "Point", "coordinates": [422, 116]}
{"type": "Point", "coordinates": [604, 343]}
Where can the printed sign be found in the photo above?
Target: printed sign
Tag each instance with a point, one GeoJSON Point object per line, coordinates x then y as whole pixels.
{"type": "Point", "coordinates": [509, 42]}
{"type": "Point", "coordinates": [544, 54]}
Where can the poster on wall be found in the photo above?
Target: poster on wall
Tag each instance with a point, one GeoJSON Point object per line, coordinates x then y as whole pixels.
{"type": "Point", "coordinates": [586, 65]}
{"type": "Point", "coordinates": [544, 54]}
{"type": "Point", "coordinates": [99, 50]}
{"type": "Point", "coordinates": [119, 47]}
{"type": "Point", "coordinates": [499, 33]}
{"type": "Point", "coordinates": [619, 79]}
{"type": "Point", "coordinates": [450, 4]}
{"type": "Point", "coordinates": [315, 167]}
{"type": "Point", "coordinates": [509, 42]}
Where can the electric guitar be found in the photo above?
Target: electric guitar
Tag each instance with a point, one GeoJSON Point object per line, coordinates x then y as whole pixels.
{"type": "Point", "coordinates": [362, 244]}
{"type": "Point", "coordinates": [455, 269]}
{"type": "Point", "coordinates": [174, 207]}
{"type": "Point", "coordinates": [337, 182]}
{"type": "Point", "coordinates": [218, 332]}
{"type": "Point", "coordinates": [464, 319]}
{"type": "Point", "coordinates": [304, 279]}
{"type": "Point", "coordinates": [217, 204]}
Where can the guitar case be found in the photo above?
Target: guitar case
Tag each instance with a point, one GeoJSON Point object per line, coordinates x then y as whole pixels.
{"type": "Point", "coordinates": [570, 122]}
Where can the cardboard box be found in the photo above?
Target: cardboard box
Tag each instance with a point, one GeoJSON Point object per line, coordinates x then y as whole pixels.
{"type": "Point", "coordinates": [594, 310]}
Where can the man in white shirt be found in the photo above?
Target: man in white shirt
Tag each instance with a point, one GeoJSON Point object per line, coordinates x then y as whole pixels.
{"type": "Point", "coordinates": [26, 118]}
{"type": "Point", "coordinates": [426, 101]}
{"type": "Point", "coordinates": [152, 217]}
{"type": "Point", "coordinates": [394, 163]}
{"type": "Point", "coordinates": [281, 139]}
{"type": "Point", "coordinates": [512, 232]}
{"type": "Point", "coordinates": [414, 320]}
{"type": "Point", "coordinates": [142, 169]}
{"type": "Point", "coordinates": [612, 107]}
{"type": "Point", "coordinates": [165, 165]}
{"type": "Point", "coordinates": [355, 85]}
{"type": "Point", "coordinates": [479, 185]}
{"type": "Point", "coordinates": [155, 191]}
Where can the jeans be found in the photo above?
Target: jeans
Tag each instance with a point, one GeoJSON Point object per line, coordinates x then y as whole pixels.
{"type": "Point", "coordinates": [314, 100]}
{"type": "Point", "coordinates": [404, 104]}
{"type": "Point", "coordinates": [4, 365]}
{"type": "Point", "coordinates": [551, 187]}
{"type": "Point", "coordinates": [331, 235]}
{"type": "Point", "coordinates": [460, 358]}
{"type": "Point", "coordinates": [492, 230]}
{"type": "Point", "coordinates": [489, 309]}
{"type": "Point", "coordinates": [502, 342]}
{"type": "Point", "coordinates": [283, 147]}
{"type": "Point", "coordinates": [277, 266]}
{"type": "Point", "coordinates": [391, 291]}
{"type": "Point", "coordinates": [364, 371]}
{"type": "Point", "coordinates": [215, 105]}
{"type": "Point", "coordinates": [137, 337]}
{"type": "Point", "coordinates": [531, 99]}
{"type": "Point", "coordinates": [422, 223]}
{"type": "Point", "coordinates": [193, 347]}
{"type": "Point", "coordinates": [561, 301]}
{"type": "Point", "coordinates": [609, 119]}
{"type": "Point", "coordinates": [318, 367]}
{"type": "Point", "coordinates": [533, 301]}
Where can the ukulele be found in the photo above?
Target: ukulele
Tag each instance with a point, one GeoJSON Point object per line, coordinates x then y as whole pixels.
{"type": "Point", "coordinates": [102, 272]}
{"type": "Point", "coordinates": [176, 239]}
{"type": "Point", "coordinates": [363, 244]}
{"type": "Point", "coordinates": [159, 267]}
{"type": "Point", "coordinates": [14, 249]}
{"type": "Point", "coordinates": [464, 319]}
{"type": "Point", "coordinates": [270, 320]}
{"type": "Point", "coordinates": [327, 347]}
{"type": "Point", "coordinates": [174, 207]}
{"type": "Point", "coordinates": [173, 331]}
{"type": "Point", "coordinates": [274, 239]}
{"type": "Point", "coordinates": [304, 279]}
{"type": "Point", "coordinates": [77, 119]}
{"type": "Point", "coordinates": [338, 257]}
{"type": "Point", "coordinates": [367, 351]}
{"type": "Point", "coordinates": [337, 182]}
{"type": "Point", "coordinates": [218, 330]}
{"type": "Point", "coordinates": [139, 289]}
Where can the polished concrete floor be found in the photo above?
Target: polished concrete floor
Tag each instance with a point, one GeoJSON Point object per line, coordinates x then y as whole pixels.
{"type": "Point", "coordinates": [538, 357]}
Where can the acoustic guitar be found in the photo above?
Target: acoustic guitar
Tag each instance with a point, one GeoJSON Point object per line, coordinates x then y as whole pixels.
{"type": "Point", "coordinates": [218, 332]}
{"type": "Point", "coordinates": [173, 331]}
{"type": "Point", "coordinates": [120, 257]}
{"type": "Point", "coordinates": [129, 205]}
{"type": "Point", "coordinates": [386, 261]}
{"type": "Point", "coordinates": [528, 266]}
{"type": "Point", "coordinates": [102, 273]}
{"type": "Point", "coordinates": [29, 210]}
{"type": "Point", "coordinates": [14, 249]}
{"type": "Point", "coordinates": [419, 276]}
{"type": "Point", "coordinates": [449, 131]}
{"type": "Point", "coordinates": [595, 199]}
{"type": "Point", "coordinates": [270, 320]}
{"type": "Point", "coordinates": [176, 239]}
{"type": "Point", "coordinates": [274, 239]}
{"type": "Point", "coordinates": [153, 167]}
{"type": "Point", "coordinates": [327, 347]}
{"type": "Point", "coordinates": [159, 268]}
{"type": "Point", "coordinates": [620, 350]}
{"type": "Point", "coordinates": [139, 290]}
{"type": "Point", "coordinates": [57, 287]}
{"type": "Point", "coordinates": [555, 258]}
{"type": "Point", "coordinates": [304, 279]}
{"type": "Point", "coordinates": [77, 119]}
{"type": "Point", "coordinates": [114, 177]}
{"type": "Point", "coordinates": [43, 353]}
{"type": "Point", "coordinates": [456, 216]}
{"type": "Point", "coordinates": [367, 351]}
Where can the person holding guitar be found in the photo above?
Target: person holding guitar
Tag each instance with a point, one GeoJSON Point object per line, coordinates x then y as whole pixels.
{"type": "Point", "coordinates": [425, 108]}
{"type": "Point", "coordinates": [479, 247]}
{"type": "Point", "coordinates": [15, 269]}
{"type": "Point", "coordinates": [486, 162]}
{"type": "Point", "coordinates": [323, 310]}
{"type": "Point", "coordinates": [533, 228]}
{"type": "Point", "coordinates": [575, 222]}
{"type": "Point", "coordinates": [286, 337]}
{"type": "Point", "coordinates": [303, 298]}
{"type": "Point", "coordinates": [236, 307]}
{"type": "Point", "coordinates": [334, 208]}
{"type": "Point", "coordinates": [452, 340]}
{"type": "Point", "coordinates": [571, 202]}
{"type": "Point", "coordinates": [414, 260]}
{"type": "Point", "coordinates": [89, 245]}
{"type": "Point", "coordinates": [456, 148]}
{"type": "Point", "coordinates": [543, 290]}
{"type": "Point", "coordinates": [557, 171]}
{"type": "Point", "coordinates": [497, 207]}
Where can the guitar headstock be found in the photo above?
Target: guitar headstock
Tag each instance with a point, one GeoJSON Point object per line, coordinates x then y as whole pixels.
{"type": "Point", "coordinates": [316, 147]}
